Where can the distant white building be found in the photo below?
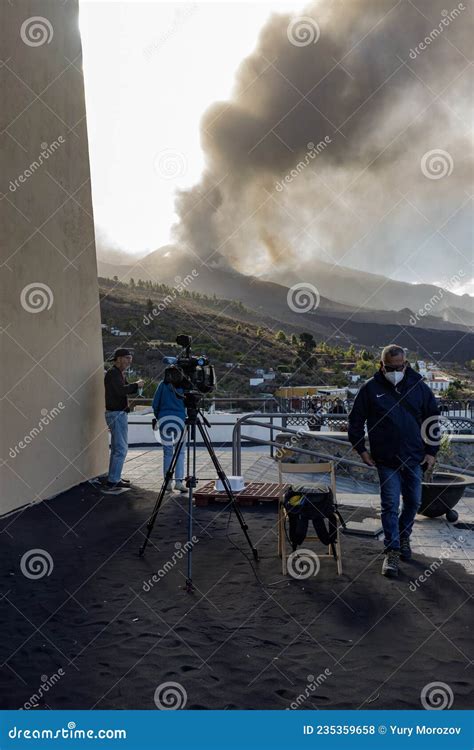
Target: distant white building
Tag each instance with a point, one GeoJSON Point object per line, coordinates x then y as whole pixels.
{"type": "Point", "coordinates": [439, 383]}
{"type": "Point", "coordinates": [254, 382]}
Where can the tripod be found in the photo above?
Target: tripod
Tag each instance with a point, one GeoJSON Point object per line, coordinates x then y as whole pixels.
{"type": "Point", "coordinates": [195, 419]}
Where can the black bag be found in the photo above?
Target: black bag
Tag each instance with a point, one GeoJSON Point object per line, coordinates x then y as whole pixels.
{"type": "Point", "coordinates": [316, 504]}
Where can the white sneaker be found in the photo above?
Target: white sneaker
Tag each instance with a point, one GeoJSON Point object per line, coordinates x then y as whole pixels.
{"type": "Point", "coordinates": [180, 486]}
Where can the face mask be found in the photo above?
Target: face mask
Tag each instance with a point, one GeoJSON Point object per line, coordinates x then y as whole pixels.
{"type": "Point", "coordinates": [394, 377]}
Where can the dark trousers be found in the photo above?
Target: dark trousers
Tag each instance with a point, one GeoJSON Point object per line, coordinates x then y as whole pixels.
{"type": "Point", "coordinates": [405, 481]}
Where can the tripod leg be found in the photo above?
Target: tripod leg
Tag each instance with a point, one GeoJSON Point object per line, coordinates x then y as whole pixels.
{"type": "Point", "coordinates": [191, 479]}
{"type": "Point", "coordinates": [225, 482]}
{"type": "Point", "coordinates": [164, 486]}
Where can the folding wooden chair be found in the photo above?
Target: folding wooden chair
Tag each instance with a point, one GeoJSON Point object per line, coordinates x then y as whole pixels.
{"type": "Point", "coordinates": [334, 550]}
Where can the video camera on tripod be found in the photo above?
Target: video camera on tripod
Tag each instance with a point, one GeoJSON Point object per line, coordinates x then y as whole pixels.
{"type": "Point", "coordinates": [195, 375]}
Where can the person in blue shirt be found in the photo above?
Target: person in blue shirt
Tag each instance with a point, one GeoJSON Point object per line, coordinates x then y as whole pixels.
{"type": "Point", "coordinates": [401, 415]}
{"type": "Point", "coordinates": [169, 410]}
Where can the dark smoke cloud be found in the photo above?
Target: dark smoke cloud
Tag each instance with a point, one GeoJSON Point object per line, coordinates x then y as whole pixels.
{"type": "Point", "coordinates": [354, 87]}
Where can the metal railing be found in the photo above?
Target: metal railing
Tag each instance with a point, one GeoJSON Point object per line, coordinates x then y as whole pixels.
{"type": "Point", "coordinates": [208, 401]}
{"type": "Point", "coordinates": [459, 407]}
{"type": "Point", "coordinates": [256, 420]}
{"type": "Point", "coordinates": [299, 405]}
{"type": "Point", "coordinates": [455, 425]}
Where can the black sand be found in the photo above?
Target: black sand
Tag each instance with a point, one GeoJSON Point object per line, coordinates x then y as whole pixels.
{"type": "Point", "coordinates": [231, 644]}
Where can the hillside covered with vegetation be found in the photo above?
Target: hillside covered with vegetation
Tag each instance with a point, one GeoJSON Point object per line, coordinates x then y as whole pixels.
{"type": "Point", "coordinates": [236, 339]}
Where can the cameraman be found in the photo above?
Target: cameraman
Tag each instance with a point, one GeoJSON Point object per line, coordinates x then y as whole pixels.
{"type": "Point", "coordinates": [168, 408]}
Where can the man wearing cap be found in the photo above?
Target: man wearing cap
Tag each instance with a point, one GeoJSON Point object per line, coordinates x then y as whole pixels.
{"type": "Point", "coordinates": [117, 390]}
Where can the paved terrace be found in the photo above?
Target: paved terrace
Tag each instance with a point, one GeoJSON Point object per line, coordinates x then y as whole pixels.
{"type": "Point", "coordinates": [431, 536]}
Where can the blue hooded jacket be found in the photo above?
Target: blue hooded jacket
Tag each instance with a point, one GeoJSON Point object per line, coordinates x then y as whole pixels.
{"type": "Point", "coordinates": [395, 416]}
{"type": "Point", "coordinates": [166, 403]}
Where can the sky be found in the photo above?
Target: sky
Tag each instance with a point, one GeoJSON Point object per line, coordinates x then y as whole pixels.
{"type": "Point", "coordinates": [152, 69]}
{"type": "Point", "coordinates": [143, 121]}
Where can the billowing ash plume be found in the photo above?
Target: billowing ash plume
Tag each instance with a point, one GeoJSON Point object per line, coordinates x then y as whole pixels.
{"type": "Point", "coordinates": [320, 153]}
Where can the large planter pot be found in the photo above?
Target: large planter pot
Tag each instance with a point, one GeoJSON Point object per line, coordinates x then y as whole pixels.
{"type": "Point", "coordinates": [441, 495]}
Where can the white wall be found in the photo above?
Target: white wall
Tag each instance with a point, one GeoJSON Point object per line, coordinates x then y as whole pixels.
{"type": "Point", "coordinates": [53, 434]}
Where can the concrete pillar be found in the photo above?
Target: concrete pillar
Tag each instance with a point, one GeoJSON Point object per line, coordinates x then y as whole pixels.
{"type": "Point", "coordinates": [53, 433]}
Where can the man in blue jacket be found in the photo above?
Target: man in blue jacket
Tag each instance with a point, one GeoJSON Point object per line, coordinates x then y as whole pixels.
{"type": "Point", "coordinates": [401, 416]}
{"type": "Point", "coordinates": [169, 410]}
